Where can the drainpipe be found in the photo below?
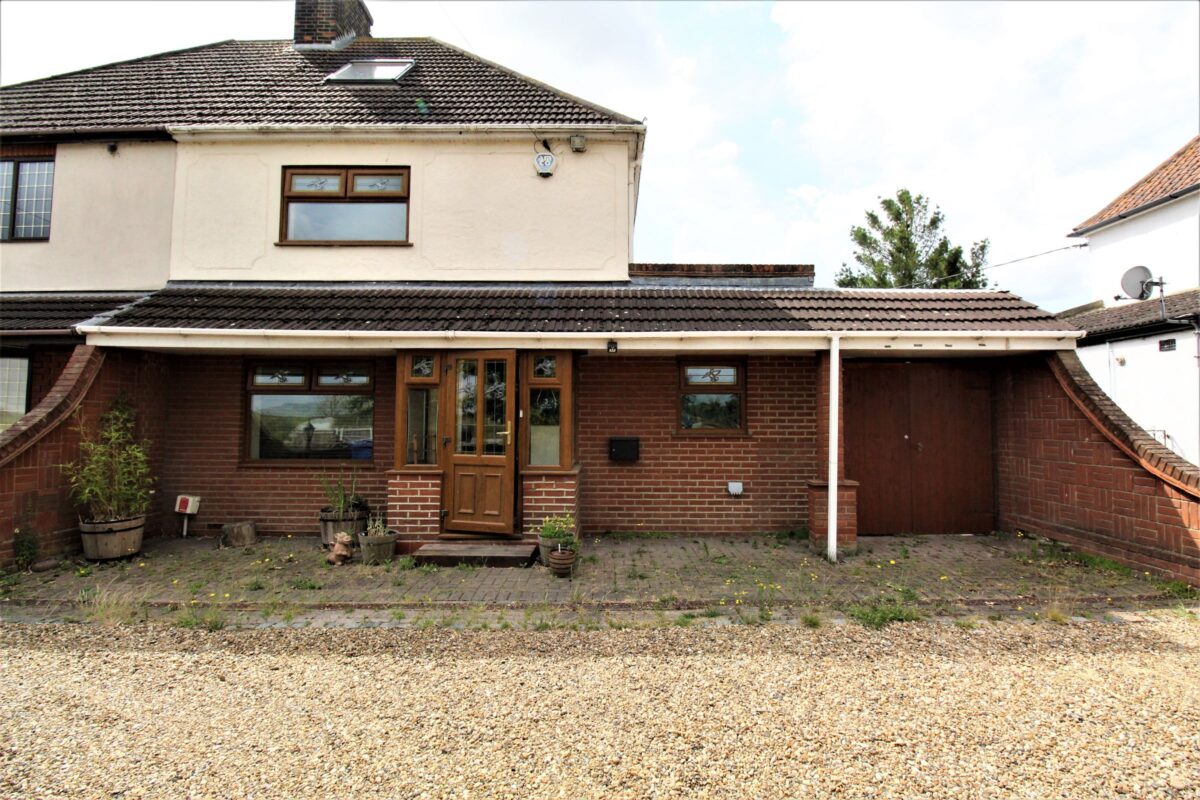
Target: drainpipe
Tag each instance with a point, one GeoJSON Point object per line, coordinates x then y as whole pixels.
{"type": "Point", "coordinates": [831, 510]}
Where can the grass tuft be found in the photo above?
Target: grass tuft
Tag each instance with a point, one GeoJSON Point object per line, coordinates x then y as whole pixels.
{"type": "Point", "coordinates": [882, 613]}
{"type": "Point", "coordinates": [209, 619]}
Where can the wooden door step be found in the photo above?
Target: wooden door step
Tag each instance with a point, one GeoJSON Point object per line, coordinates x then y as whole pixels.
{"type": "Point", "coordinates": [489, 554]}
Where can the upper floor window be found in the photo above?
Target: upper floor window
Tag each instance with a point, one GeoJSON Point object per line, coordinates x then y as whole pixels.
{"type": "Point", "coordinates": [345, 205]}
{"type": "Point", "coordinates": [26, 194]}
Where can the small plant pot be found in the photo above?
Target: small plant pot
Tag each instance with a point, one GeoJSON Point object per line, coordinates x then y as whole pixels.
{"type": "Point", "coordinates": [545, 547]}
{"type": "Point", "coordinates": [562, 562]}
{"type": "Point", "coordinates": [106, 540]}
{"type": "Point", "coordinates": [377, 549]}
{"type": "Point", "coordinates": [333, 523]}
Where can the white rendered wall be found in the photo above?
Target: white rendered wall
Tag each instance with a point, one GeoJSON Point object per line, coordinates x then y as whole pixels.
{"type": "Point", "coordinates": [1160, 391]}
{"type": "Point", "coordinates": [1165, 239]}
{"type": "Point", "coordinates": [110, 222]}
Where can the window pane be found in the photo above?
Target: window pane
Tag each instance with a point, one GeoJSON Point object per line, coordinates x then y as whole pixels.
{"type": "Point", "coordinates": [312, 426]}
{"type": "Point", "coordinates": [464, 405]}
{"type": "Point", "coordinates": [545, 367]}
{"type": "Point", "coordinates": [6, 197]}
{"type": "Point", "coordinates": [350, 376]}
{"type": "Point", "coordinates": [347, 222]}
{"type": "Point", "coordinates": [722, 411]}
{"type": "Point", "coordinates": [278, 376]}
{"type": "Point", "coordinates": [422, 426]}
{"type": "Point", "coordinates": [545, 427]}
{"type": "Point", "coordinates": [35, 191]}
{"type": "Point", "coordinates": [330, 184]}
{"type": "Point", "coordinates": [365, 184]}
{"type": "Point", "coordinates": [14, 387]}
{"type": "Point", "coordinates": [422, 367]}
{"type": "Point", "coordinates": [495, 408]}
{"type": "Point", "coordinates": [701, 376]}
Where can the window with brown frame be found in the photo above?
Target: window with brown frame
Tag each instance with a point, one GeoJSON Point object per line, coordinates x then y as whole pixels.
{"type": "Point", "coordinates": [418, 413]}
{"type": "Point", "coordinates": [345, 205]}
{"type": "Point", "coordinates": [548, 432]}
{"type": "Point", "coordinates": [712, 397]}
{"type": "Point", "coordinates": [313, 410]}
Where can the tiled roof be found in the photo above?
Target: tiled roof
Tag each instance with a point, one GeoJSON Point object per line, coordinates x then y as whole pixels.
{"type": "Point", "coordinates": [576, 308]}
{"type": "Point", "coordinates": [1178, 174]}
{"type": "Point", "coordinates": [57, 311]}
{"type": "Point", "coordinates": [1140, 314]}
{"type": "Point", "coordinates": [271, 83]}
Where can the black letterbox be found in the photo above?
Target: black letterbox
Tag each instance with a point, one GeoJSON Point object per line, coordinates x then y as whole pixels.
{"type": "Point", "coordinates": [624, 448]}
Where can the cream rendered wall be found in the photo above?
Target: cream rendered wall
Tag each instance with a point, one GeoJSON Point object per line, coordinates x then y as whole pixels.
{"type": "Point", "coordinates": [1165, 239]}
{"type": "Point", "coordinates": [110, 222]}
{"type": "Point", "coordinates": [477, 211]}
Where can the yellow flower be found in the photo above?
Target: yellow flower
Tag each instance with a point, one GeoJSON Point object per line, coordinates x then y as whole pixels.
{"type": "Point", "coordinates": [289, 536]}
{"type": "Point", "coordinates": [143, 563]}
{"type": "Point", "coordinates": [891, 561]}
{"type": "Point", "coordinates": [175, 581]}
{"type": "Point", "coordinates": [1020, 608]}
{"type": "Point", "coordinates": [227, 595]}
{"type": "Point", "coordinates": [943, 578]}
{"type": "Point", "coordinates": [212, 594]}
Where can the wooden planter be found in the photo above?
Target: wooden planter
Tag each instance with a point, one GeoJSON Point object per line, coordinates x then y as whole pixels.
{"type": "Point", "coordinates": [377, 549]}
{"type": "Point", "coordinates": [545, 547]}
{"type": "Point", "coordinates": [333, 523]}
{"type": "Point", "coordinates": [562, 562]}
{"type": "Point", "coordinates": [105, 540]}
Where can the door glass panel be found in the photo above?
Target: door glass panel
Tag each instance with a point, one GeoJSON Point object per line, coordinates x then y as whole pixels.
{"type": "Point", "coordinates": [495, 408]}
{"type": "Point", "coordinates": [464, 405]}
{"type": "Point", "coordinates": [545, 428]}
{"type": "Point", "coordinates": [422, 426]}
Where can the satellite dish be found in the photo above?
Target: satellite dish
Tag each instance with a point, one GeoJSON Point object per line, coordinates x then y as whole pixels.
{"type": "Point", "coordinates": [1137, 283]}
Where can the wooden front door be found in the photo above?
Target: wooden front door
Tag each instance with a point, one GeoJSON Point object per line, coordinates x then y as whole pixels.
{"type": "Point", "coordinates": [919, 442]}
{"type": "Point", "coordinates": [479, 451]}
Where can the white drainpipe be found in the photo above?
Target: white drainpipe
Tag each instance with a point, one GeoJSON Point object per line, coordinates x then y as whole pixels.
{"type": "Point", "coordinates": [831, 512]}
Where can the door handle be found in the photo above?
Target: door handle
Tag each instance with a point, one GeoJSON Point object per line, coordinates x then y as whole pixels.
{"type": "Point", "coordinates": [507, 434]}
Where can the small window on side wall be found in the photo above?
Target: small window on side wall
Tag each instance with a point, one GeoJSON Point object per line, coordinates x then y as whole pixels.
{"type": "Point", "coordinates": [352, 205]}
{"type": "Point", "coordinates": [712, 397]}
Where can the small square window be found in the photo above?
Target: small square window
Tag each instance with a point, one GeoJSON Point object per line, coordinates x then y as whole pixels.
{"type": "Point", "coordinates": [280, 376]}
{"type": "Point", "coordinates": [712, 398]}
{"type": "Point", "coordinates": [349, 376]}
{"type": "Point", "coordinates": [376, 70]}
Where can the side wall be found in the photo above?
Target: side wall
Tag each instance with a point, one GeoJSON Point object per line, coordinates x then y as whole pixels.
{"type": "Point", "coordinates": [679, 484]}
{"type": "Point", "coordinates": [1060, 476]}
{"type": "Point", "coordinates": [33, 494]}
{"type": "Point", "coordinates": [205, 443]}
{"type": "Point", "coordinates": [1165, 239]}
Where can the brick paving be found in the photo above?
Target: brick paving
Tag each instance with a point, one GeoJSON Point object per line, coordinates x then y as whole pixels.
{"type": "Point", "coordinates": [946, 574]}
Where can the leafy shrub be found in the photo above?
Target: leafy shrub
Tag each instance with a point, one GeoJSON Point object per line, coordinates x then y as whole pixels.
{"type": "Point", "coordinates": [112, 480]}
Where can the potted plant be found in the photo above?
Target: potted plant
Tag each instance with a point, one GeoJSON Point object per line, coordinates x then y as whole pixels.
{"type": "Point", "coordinates": [347, 511]}
{"type": "Point", "coordinates": [562, 557]}
{"type": "Point", "coordinates": [553, 529]}
{"type": "Point", "coordinates": [112, 486]}
{"type": "Point", "coordinates": [378, 544]}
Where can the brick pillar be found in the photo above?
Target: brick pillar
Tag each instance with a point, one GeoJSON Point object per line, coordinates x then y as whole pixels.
{"type": "Point", "coordinates": [818, 508]}
{"type": "Point", "coordinates": [547, 494]}
{"type": "Point", "coordinates": [414, 504]}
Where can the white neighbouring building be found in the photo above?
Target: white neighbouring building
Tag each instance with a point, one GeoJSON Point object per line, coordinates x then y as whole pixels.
{"type": "Point", "coordinates": [1146, 354]}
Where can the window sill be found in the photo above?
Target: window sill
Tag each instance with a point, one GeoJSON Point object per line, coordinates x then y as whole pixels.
{"type": "Point", "coordinates": [302, 463]}
{"type": "Point", "coordinates": [712, 433]}
{"type": "Point", "coordinates": [343, 244]}
{"type": "Point", "coordinates": [23, 239]}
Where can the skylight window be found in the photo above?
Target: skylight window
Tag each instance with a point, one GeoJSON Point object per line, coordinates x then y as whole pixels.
{"type": "Point", "coordinates": [375, 70]}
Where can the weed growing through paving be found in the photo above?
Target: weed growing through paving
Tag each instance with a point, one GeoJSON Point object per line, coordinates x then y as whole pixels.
{"type": "Point", "coordinates": [883, 612]}
{"type": "Point", "coordinates": [634, 575]}
{"type": "Point", "coordinates": [429, 569]}
{"type": "Point", "coordinates": [684, 620]}
{"type": "Point", "coordinates": [967, 624]}
{"type": "Point", "coordinates": [305, 584]}
{"type": "Point", "coordinates": [255, 585]}
{"type": "Point", "coordinates": [1179, 590]}
{"type": "Point", "coordinates": [109, 606]}
{"type": "Point", "coordinates": [810, 621]}
{"type": "Point", "coordinates": [764, 597]}
{"type": "Point", "coordinates": [624, 536]}
{"type": "Point", "coordinates": [710, 613]}
{"type": "Point", "coordinates": [801, 534]}
{"type": "Point", "coordinates": [210, 619]}
{"type": "Point", "coordinates": [465, 567]}
{"type": "Point", "coordinates": [406, 563]}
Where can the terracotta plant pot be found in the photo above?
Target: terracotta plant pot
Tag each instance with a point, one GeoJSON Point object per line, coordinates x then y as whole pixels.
{"type": "Point", "coordinates": [105, 540]}
{"type": "Point", "coordinates": [562, 562]}
{"type": "Point", "coordinates": [333, 523]}
{"type": "Point", "coordinates": [377, 549]}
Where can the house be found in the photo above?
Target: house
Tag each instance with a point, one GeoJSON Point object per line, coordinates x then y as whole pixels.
{"type": "Point", "coordinates": [394, 257]}
{"type": "Point", "coordinates": [1145, 354]}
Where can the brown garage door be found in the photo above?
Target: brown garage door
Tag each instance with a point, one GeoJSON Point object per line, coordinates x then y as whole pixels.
{"type": "Point", "coordinates": [919, 442]}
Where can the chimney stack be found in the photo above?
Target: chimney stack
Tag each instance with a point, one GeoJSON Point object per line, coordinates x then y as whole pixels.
{"type": "Point", "coordinates": [330, 24]}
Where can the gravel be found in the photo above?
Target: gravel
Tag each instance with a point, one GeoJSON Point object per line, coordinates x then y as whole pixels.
{"type": "Point", "coordinates": [1005, 710]}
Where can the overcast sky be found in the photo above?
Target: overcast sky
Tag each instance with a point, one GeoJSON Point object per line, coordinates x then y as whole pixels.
{"type": "Point", "coordinates": [774, 127]}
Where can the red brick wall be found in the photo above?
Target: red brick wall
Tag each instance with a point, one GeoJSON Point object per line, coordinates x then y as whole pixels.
{"type": "Point", "coordinates": [33, 493]}
{"type": "Point", "coordinates": [206, 438]}
{"type": "Point", "coordinates": [847, 521]}
{"type": "Point", "coordinates": [679, 485]}
{"type": "Point", "coordinates": [1059, 476]}
{"type": "Point", "coordinates": [415, 503]}
{"type": "Point", "coordinates": [45, 365]}
{"type": "Point", "coordinates": [547, 495]}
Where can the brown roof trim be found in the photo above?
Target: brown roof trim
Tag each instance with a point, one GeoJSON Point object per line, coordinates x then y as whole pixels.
{"type": "Point", "coordinates": [1116, 426]}
{"type": "Point", "coordinates": [646, 270]}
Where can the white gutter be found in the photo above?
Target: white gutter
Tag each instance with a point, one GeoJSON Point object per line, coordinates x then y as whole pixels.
{"type": "Point", "coordinates": [831, 501]}
{"type": "Point", "coordinates": [268, 338]}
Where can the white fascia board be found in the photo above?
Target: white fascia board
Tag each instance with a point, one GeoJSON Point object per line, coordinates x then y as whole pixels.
{"type": "Point", "coordinates": [908, 341]}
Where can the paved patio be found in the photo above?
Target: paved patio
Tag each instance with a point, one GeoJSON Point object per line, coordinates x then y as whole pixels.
{"type": "Point", "coordinates": [946, 575]}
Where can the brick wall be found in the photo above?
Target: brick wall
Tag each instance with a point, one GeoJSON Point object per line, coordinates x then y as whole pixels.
{"type": "Point", "coordinates": [547, 495]}
{"type": "Point", "coordinates": [33, 493]}
{"type": "Point", "coordinates": [679, 484]}
{"type": "Point", "coordinates": [206, 439]}
{"type": "Point", "coordinates": [415, 503]}
{"type": "Point", "coordinates": [1059, 474]}
{"type": "Point", "coordinates": [847, 521]}
{"type": "Point", "coordinates": [45, 365]}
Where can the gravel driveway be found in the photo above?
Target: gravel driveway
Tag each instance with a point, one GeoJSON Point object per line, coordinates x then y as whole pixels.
{"type": "Point", "coordinates": [1010, 709]}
